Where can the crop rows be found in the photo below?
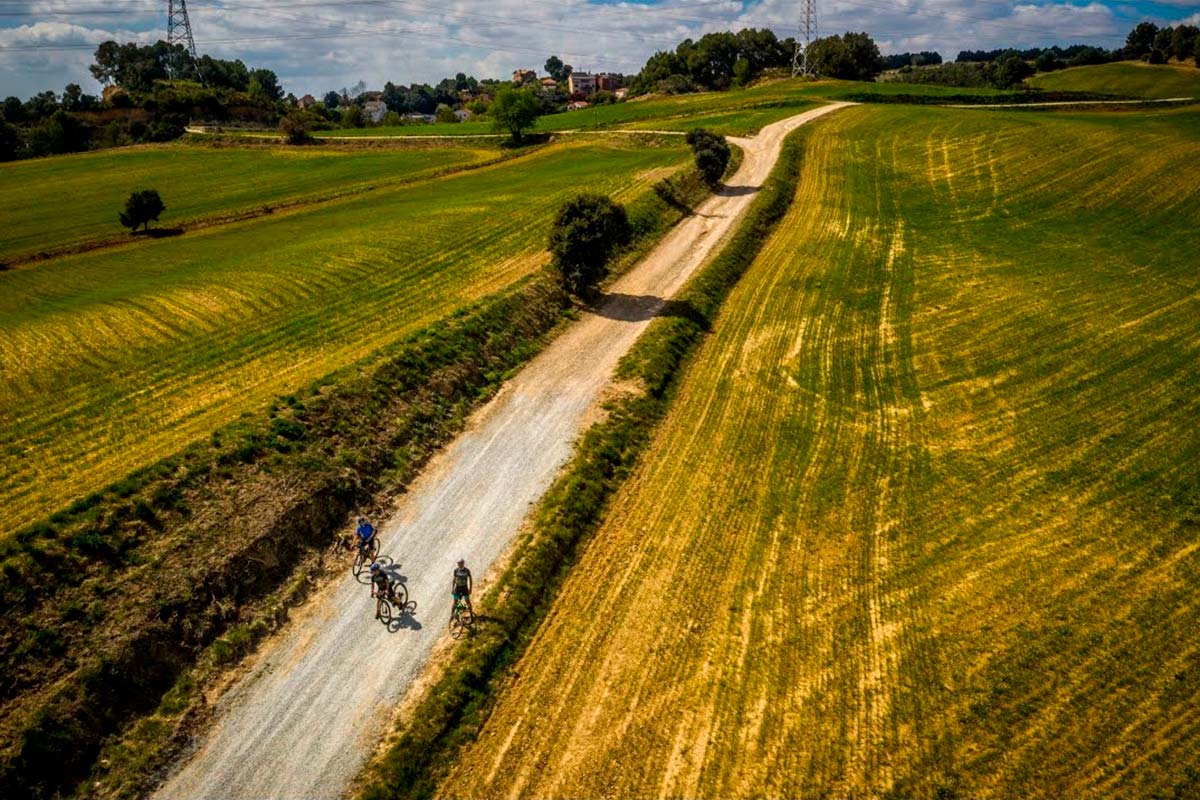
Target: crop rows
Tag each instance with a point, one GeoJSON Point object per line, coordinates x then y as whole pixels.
{"type": "Point", "coordinates": [923, 520]}
{"type": "Point", "coordinates": [116, 358]}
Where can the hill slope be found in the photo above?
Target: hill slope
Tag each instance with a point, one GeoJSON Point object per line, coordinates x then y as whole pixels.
{"type": "Point", "coordinates": [923, 520]}
{"type": "Point", "coordinates": [1130, 78]}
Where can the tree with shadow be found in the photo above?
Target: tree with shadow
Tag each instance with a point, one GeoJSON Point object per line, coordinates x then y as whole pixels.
{"type": "Point", "coordinates": [141, 208]}
{"type": "Point", "coordinates": [587, 230]}
{"type": "Point", "coordinates": [711, 152]}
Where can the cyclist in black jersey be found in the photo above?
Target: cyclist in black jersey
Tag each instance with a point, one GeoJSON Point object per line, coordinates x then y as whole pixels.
{"type": "Point", "coordinates": [460, 587]}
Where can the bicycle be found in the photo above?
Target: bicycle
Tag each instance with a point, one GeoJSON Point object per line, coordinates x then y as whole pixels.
{"type": "Point", "coordinates": [365, 556]}
{"type": "Point", "coordinates": [394, 604]}
{"type": "Point", "coordinates": [462, 620]}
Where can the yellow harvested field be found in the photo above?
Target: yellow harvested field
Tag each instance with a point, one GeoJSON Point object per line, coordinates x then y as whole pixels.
{"type": "Point", "coordinates": [923, 520]}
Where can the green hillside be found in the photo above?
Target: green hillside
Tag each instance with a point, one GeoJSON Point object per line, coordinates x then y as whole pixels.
{"type": "Point", "coordinates": [50, 203]}
{"type": "Point", "coordinates": [1128, 78]}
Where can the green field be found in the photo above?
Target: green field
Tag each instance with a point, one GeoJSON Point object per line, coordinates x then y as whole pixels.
{"type": "Point", "coordinates": [922, 521]}
{"type": "Point", "coordinates": [50, 203]}
{"type": "Point", "coordinates": [1128, 78]}
{"type": "Point", "coordinates": [113, 359]}
{"type": "Point", "coordinates": [733, 113]}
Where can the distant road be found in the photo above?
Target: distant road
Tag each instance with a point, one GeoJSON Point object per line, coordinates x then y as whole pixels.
{"type": "Point", "coordinates": [320, 695]}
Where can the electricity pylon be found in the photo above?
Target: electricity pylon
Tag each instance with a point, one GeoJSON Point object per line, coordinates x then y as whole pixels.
{"type": "Point", "coordinates": [179, 29]}
{"type": "Point", "coordinates": [801, 64]}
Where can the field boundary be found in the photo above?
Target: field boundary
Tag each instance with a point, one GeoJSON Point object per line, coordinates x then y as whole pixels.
{"type": "Point", "coordinates": [456, 703]}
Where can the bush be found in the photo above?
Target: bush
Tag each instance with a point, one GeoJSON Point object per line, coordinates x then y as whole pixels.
{"type": "Point", "coordinates": [711, 152]}
{"type": "Point", "coordinates": [141, 208]}
{"type": "Point", "coordinates": [587, 229]}
{"type": "Point", "coordinates": [295, 127]}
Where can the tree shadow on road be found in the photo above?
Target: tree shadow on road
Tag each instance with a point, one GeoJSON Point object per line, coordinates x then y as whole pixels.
{"type": "Point", "coordinates": [736, 191]}
{"type": "Point", "coordinates": [641, 307]}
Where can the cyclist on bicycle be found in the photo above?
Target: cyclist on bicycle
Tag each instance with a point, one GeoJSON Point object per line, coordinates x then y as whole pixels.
{"type": "Point", "coordinates": [381, 586]}
{"type": "Point", "coordinates": [366, 535]}
{"type": "Point", "coordinates": [460, 588]}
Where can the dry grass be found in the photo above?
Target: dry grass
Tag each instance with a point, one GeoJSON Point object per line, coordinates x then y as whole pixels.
{"type": "Point", "coordinates": [923, 521]}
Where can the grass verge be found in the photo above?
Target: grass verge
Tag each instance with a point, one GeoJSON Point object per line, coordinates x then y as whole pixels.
{"type": "Point", "coordinates": [455, 706]}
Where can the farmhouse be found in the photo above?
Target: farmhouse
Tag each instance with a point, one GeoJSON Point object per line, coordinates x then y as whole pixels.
{"type": "Point", "coordinates": [582, 83]}
{"type": "Point", "coordinates": [375, 110]}
{"type": "Point", "coordinates": [524, 75]}
{"type": "Point", "coordinates": [586, 83]}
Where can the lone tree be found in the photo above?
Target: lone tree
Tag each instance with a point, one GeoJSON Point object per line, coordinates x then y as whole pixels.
{"type": "Point", "coordinates": [141, 208]}
{"type": "Point", "coordinates": [587, 229]}
{"type": "Point", "coordinates": [711, 152]}
{"type": "Point", "coordinates": [514, 111]}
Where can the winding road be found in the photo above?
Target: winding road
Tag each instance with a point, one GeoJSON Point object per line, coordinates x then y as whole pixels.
{"type": "Point", "coordinates": [303, 719]}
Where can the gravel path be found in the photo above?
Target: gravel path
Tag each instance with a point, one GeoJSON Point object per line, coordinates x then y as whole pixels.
{"type": "Point", "coordinates": [303, 719]}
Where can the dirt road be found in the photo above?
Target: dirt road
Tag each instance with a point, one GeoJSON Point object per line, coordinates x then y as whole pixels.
{"type": "Point", "coordinates": [301, 722]}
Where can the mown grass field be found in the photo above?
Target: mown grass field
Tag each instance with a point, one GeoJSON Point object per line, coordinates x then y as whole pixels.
{"type": "Point", "coordinates": [113, 359]}
{"type": "Point", "coordinates": [1130, 78]}
{"type": "Point", "coordinates": [50, 203]}
{"type": "Point", "coordinates": [923, 520]}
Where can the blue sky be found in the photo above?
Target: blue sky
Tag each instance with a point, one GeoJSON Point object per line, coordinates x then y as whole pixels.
{"type": "Point", "coordinates": [317, 45]}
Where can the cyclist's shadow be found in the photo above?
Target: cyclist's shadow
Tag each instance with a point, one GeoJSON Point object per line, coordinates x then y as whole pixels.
{"type": "Point", "coordinates": [405, 618]}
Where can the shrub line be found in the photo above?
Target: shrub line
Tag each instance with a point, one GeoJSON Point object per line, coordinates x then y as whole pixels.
{"type": "Point", "coordinates": [454, 708]}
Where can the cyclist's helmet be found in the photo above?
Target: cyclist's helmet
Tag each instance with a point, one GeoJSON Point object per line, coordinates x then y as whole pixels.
{"type": "Point", "coordinates": [462, 562]}
{"type": "Point", "coordinates": [375, 567]}
{"type": "Point", "coordinates": [362, 520]}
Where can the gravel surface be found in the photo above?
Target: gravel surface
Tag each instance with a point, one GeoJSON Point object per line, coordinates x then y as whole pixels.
{"type": "Point", "coordinates": [302, 720]}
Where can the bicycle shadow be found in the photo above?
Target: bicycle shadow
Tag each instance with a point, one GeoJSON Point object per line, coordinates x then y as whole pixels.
{"type": "Point", "coordinates": [405, 620]}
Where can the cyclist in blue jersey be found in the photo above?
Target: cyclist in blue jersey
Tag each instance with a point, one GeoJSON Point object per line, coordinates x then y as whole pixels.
{"type": "Point", "coordinates": [366, 535]}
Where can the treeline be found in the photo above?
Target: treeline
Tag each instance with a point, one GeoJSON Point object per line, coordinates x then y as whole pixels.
{"type": "Point", "coordinates": [713, 62]}
{"type": "Point", "coordinates": [1006, 68]}
{"type": "Point", "coordinates": [150, 94]}
{"type": "Point", "coordinates": [921, 59]}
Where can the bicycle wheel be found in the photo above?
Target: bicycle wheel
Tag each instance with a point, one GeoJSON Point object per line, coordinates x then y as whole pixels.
{"type": "Point", "coordinates": [360, 563]}
{"type": "Point", "coordinates": [460, 623]}
{"type": "Point", "coordinates": [399, 596]}
{"type": "Point", "coordinates": [385, 611]}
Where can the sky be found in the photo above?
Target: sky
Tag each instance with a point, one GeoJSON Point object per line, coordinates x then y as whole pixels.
{"type": "Point", "coordinates": [316, 46]}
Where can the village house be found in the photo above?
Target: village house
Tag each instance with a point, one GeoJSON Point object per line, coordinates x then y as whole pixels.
{"type": "Point", "coordinates": [308, 101]}
{"type": "Point", "coordinates": [524, 75]}
{"type": "Point", "coordinates": [375, 110]}
{"type": "Point", "coordinates": [581, 83]}
{"type": "Point", "coordinates": [549, 83]}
